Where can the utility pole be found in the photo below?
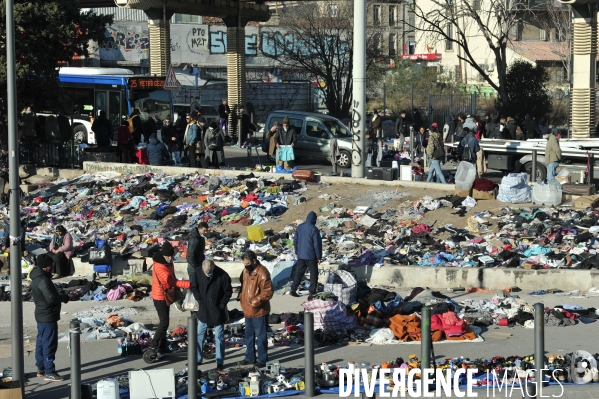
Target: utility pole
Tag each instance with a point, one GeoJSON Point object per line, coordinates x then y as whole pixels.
{"type": "Point", "coordinates": [359, 90]}
{"type": "Point", "coordinates": [16, 303]}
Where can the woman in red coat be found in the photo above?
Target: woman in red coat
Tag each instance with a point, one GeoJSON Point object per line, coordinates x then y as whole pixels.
{"type": "Point", "coordinates": [163, 278]}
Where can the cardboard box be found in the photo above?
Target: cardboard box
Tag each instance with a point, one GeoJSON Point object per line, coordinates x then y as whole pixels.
{"type": "Point", "coordinates": [587, 201]}
{"type": "Point", "coordinates": [463, 193]}
{"type": "Point", "coordinates": [484, 195]}
{"type": "Point", "coordinates": [10, 390]}
{"type": "Point", "coordinates": [563, 179]}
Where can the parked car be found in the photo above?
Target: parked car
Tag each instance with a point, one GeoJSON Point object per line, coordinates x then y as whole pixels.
{"type": "Point", "coordinates": [314, 133]}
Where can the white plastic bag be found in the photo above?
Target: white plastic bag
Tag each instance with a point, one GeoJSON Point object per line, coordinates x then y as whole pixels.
{"type": "Point", "coordinates": [190, 303]}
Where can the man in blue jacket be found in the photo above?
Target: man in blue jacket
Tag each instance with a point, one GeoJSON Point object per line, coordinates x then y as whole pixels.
{"type": "Point", "coordinates": [308, 249]}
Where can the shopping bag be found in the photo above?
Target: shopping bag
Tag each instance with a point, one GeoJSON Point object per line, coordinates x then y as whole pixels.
{"type": "Point", "coordinates": [190, 303]}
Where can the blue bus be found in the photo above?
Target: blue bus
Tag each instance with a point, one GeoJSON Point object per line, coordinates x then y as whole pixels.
{"type": "Point", "coordinates": [114, 90]}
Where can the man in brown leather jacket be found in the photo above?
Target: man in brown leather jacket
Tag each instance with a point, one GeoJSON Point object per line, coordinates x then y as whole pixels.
{"type": "Point", "coordinates": [254, 296]}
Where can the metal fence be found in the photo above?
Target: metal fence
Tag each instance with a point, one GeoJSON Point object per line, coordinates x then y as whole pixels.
{"type": "Point", "coordinates": [441, 105]}
{"type": "Point", "coordinates": [50, 154]}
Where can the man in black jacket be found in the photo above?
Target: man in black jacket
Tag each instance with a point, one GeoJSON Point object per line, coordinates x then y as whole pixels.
{"type": "Point", "coordinates": [196, 246]}
{"type": "Point", "coordinates": [223, 112]}
{"type": "Point", "coordinates": [402, 129]}
{"type": "Point", "coordinates": [47, 313]}
{"type": "Point", "coordinates": [247, 127]}
{"type": "Point", "coordinates": [211, 287]}
{"type": "Point", "coordinates": [286, 138]}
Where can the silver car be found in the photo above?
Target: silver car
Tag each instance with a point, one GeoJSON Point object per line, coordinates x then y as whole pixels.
{"type": "Point", "coordinates": [314, 133]}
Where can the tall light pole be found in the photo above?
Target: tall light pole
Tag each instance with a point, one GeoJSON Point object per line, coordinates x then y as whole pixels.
{"type": "Point", "coordinates": [358, 124]}
{"type": "Point", "coordinates": [16, 303]}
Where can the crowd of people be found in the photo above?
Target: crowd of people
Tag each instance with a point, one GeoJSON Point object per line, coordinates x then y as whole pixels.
{"type": "Point", "coordinates": [467, 130]}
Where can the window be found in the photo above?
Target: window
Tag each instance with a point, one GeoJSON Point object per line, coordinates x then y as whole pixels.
{"type": "Point", "coordinates": [448, 42]}
{"type": "Point", "coordinates": [543, 35]}
{"type": "Point", "coordinates": [457, 73]}
{"type": "Point", "coordinates": [377, 15]}
{"type": "Point", "coordinates": [476, 5]}
{"type": "Point", "coordinates": [411, 46]}
{"type": "Point", "coordinates": [411, 20]}
{"type": "Point", "coordinates": [333, 10]}
{"type": "Point", "coordinates": [392, 15]}
{"type": "Point", "coordinates": [316, 130]}
{"type": "Point", "coordinates": [392, 44]}
{"type": "Point", "coordinates": [185, 18]}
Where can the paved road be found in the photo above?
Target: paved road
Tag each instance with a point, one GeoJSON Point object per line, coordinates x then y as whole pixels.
{"type": "Point", "coordinates": [100, 358]}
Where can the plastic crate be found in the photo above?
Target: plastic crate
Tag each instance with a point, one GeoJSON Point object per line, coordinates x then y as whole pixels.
{"type": "Point", "coordinates": [255, 233]}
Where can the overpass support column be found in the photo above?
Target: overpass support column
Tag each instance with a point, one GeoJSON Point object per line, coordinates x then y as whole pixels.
{"type": "Point", "coordinates": [584, 60]}
{"type": "Point", "coordinates": [160, 40]}
{"type": "Point", "coordinates": [236, 80]}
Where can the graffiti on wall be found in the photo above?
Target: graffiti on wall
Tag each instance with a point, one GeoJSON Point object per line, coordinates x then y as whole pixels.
{"type": "Point", "coordinates": [130, 40]}
{"type": "Point", "coordinates": [218, 43]}
{"type": "Point", "coordinates": [265, 97]}
{"type": "Point", "coordinates": [274, 43]}
{"type": "Point", "coordinates": [197, 39]}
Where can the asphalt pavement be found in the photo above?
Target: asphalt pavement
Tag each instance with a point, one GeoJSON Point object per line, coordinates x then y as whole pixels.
{"type": "Point", "coordinates": [99, 359]}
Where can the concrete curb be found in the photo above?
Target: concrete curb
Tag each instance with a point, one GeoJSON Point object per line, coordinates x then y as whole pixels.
{"type": "Point", "coordinates": [95, 167]}
{"type": "Point", "coordinates": [410, 276]}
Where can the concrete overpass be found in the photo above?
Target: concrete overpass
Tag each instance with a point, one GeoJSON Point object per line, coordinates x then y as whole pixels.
{"type": "Point", "coordinates": [235, 15]}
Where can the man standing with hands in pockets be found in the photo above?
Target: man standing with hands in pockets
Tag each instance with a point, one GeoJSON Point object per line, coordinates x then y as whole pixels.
{"type": "Point", "coordinates": [308, 249]}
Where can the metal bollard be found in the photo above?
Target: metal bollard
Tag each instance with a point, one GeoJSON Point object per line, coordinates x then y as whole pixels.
{"type": "Point", "coordinates": [309, 353]}
{"type": "Point", "coordinates": [75, 353]}
{"type": "Point", "coordinates": [533, 172]}
{"type": "Point", "coordinates": [425, 343]}
{"type": "Point", "coordinates": [539, 346]}
{"type": "Point", "coordinates": [192, 357]}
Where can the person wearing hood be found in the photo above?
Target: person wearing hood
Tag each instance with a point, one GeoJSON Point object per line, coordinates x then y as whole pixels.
{"type": "Point", "coordinates": [61, 250]}
{"type": "Point", "coordinates": [158, 153]}
{"type": "Point", "coordinates": [163, 279]}
{"type": "Point", "coordinates": [196, 246]}
{"type": "Point", "coordinates": [47, 302]}
{"type": "Point", "coordinates": [553, 156]}
{"type": "Point", "coordinates": [509, 132]}
{"type": "Point", "coordinates": [190, 138]}
{"type": "Point", "coordinates": [102, 129]}
{"type": "Point", "coordinates": [402, 129]}
{"type": "Point", "coordinates": [308, 249]}
{"type": "Point", "coordinates": [416, 119]}
{"type": "Point", "coordinates": [254, 296]}
{"type": "Point", "coordinates": [285, 144]}
{"type": "Point", "coordinates": [214, 144]}
{"type": "Point", "coordinates": [211, 287]}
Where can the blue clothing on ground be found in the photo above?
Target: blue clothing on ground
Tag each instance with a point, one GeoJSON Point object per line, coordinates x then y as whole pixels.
{"type": "Point", "coordinates": [307, 240]}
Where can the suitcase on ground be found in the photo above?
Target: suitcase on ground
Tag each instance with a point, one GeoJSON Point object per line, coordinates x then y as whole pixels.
{"type": "Point", "coordinates": [386, 174]}
{"type": "Point", "coordinates": [305, 175]}
{"type": "Point", "coordinates": [369, 174]}
{"type": "Point", "coordinates": [386, 163]}
{"type": "Point", "coordinates": [578, 189]}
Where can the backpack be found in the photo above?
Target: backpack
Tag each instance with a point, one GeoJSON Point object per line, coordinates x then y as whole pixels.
{"type": "Point", "coordinates": [466, 153]}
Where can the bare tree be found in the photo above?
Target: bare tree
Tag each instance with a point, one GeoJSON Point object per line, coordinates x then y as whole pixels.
{"type": "Point", "coordinates": [458, 22]}
{"type": "Point", "coordinates": [556, 20]}
{"type": "Point", "coordinates": [318, 37]}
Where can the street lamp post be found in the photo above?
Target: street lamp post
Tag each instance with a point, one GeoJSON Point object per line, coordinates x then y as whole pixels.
{"type": "Point", "coordinates": [16, 303]}
{"type": "Point", "coordinates": [358, 123]}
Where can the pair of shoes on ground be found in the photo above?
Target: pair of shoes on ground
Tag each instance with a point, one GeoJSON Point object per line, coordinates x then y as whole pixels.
{"type": "Point", "coordinates": [247, 363]}
{"type": "Point", "coordinates": [50, 376]}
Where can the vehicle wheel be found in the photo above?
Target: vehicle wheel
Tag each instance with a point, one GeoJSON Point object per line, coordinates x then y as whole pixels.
{"type": "Point", "coordinates": [541, 170]}
{"type": "Point", "coordinates": [150, 356]}
{"type": "Point", "coordinates": [80, 135]}
{"type": "Point", "coordinates": [344, 160]}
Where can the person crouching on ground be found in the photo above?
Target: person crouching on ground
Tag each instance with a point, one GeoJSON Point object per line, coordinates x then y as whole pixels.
{"type": "Point", "coordinates": [211, 287]}
{"type": "Point", "coordinates": [163, 279]}
{"type": "Point", "coordinates": [61, 250]}
{"type": "Point", "coordinates": [47, 302]}
{"type": "Point", "coordinates": [254, 296]}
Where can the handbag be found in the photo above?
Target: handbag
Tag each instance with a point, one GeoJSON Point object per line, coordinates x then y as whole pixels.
{"type": "Point", "coordinates": [171, 295]}
{"type": "Point", "coordinates": [439, 153]}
